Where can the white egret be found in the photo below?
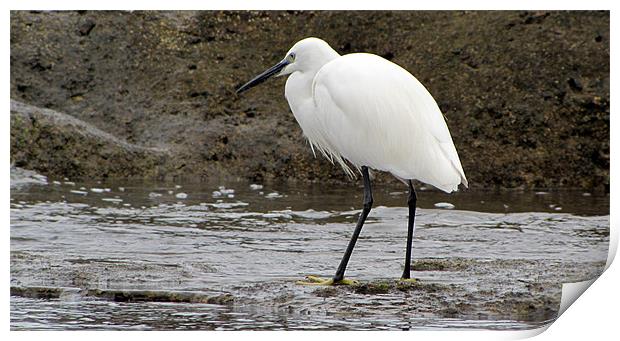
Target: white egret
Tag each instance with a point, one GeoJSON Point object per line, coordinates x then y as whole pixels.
{"type": "Point", "coordinates": [364, 111]}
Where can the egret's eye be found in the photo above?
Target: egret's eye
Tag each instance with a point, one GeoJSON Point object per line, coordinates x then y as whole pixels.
{"type": "Point", "coordinates": [291, 57]}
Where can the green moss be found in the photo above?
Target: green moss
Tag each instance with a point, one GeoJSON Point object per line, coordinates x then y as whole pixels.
{"type": "Point", "coordinates": [373, 288]}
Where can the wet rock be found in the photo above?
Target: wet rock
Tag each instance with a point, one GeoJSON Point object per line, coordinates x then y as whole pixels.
{"type": "Point", "coordinates": [124, 295]}
{"type": "Point", "coordinates": [525, 306]}
{"type": "Point", "coordinates": [372, 288]}
{"type": "Point", "coordinates": [159, 296]}
{"type": "Point", "coordinates": [381, 287]}
{"type": "Point", "coordinates": [167, 80]}
{"type": "Point", "coordinates": [326, 292]}
{"type": "Point", "coordinates": [61, 145]}
{"type": "Point", "coordinates": [437, 264]}
{"type": "Point", "coordinates": [37, 292]}
{"type": "Point", "coordinates": [23, 177]}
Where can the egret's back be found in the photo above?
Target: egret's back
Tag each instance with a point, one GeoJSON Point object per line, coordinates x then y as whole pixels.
{"type": "Point", "coordinates": [374, 113]}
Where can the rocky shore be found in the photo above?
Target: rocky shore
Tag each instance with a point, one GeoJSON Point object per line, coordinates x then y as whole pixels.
{"type": "Point", "coordinates": [151, 94]}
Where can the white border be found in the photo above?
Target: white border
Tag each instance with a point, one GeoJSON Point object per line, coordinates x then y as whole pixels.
{"type": "Point", "coordinates": [593, 314]}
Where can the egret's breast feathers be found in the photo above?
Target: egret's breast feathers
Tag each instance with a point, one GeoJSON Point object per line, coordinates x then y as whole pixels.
{"type": "Point", "coordinates": [298, 94]}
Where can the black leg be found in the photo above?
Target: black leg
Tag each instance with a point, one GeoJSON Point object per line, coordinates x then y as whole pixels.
{"type": "Point", "coordinates": [358, 228]}
{"type": "Point", "coordinates": [411, 201]}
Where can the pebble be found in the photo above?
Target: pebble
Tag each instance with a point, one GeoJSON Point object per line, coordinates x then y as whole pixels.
{"type": "Point", "coordinates": [273, 195]}
{"type": "Point", "coordinates": [256, 186]}
{"type": "Point", "coordinates": [181, 195]}
{"type": "Point", "coordinates": [79, 192]}
{"type": "Point", "coordinates": [97, 190]}
{"type": "Point", "coordinates": [154, 195]}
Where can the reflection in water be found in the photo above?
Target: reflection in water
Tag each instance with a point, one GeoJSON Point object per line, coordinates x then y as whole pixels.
{"type": "Point", "coordinates": [494, 261]}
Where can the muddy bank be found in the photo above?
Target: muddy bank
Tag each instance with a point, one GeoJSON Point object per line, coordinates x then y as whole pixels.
{"type": "Point", "coordinates": [525, 94]}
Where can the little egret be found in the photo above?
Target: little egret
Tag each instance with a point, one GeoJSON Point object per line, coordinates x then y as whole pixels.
{"type": "Point", "coordinates": [364, 111]}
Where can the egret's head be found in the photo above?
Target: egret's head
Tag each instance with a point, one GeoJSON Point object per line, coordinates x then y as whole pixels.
{"type": "Point", "coordinates": [306, 55]}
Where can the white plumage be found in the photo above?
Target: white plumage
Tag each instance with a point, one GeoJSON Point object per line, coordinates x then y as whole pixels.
{"type": "Point", "coordinates": [371, 112]}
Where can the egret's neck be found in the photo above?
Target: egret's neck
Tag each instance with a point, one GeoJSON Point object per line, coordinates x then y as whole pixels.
{"type": "Point", "coordinates": [298, 88]}
{"type": "Point", "coordinates": [298, 92]}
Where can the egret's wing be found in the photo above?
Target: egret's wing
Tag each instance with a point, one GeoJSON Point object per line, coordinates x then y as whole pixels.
{"type": "Point", "coordinates": [377, 114]}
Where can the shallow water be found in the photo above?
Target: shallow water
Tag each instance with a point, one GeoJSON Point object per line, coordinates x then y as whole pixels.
{"type": "Point", "coordinates": [129, 255]}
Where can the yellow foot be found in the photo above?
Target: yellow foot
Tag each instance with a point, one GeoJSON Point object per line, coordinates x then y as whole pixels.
{"type": "Point", "coordinates": [315, 280]}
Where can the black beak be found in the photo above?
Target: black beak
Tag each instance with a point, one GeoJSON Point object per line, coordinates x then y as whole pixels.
{"type": "Point", "coordinates": [263, 76]}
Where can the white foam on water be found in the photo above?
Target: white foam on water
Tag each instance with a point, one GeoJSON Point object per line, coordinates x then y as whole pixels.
{"type": "Point", "coordinates": [445, 205]}
{"type": "Point", "coordinates": [273, 195]}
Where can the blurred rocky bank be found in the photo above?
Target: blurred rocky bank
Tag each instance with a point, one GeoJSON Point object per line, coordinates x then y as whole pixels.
{"type": "Point", "coordinates": [148, 94]}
